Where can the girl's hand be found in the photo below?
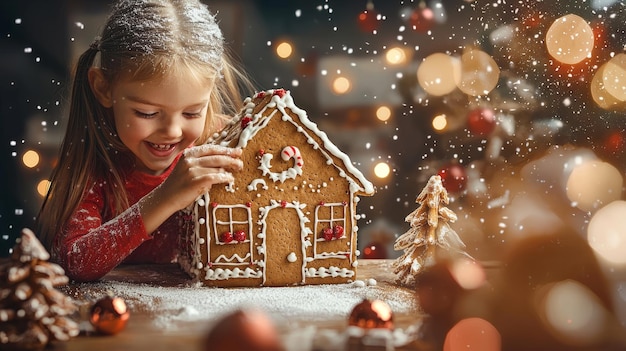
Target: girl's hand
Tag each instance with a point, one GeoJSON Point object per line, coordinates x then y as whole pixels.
{"type": "Point", "coordinates": [197, 170]}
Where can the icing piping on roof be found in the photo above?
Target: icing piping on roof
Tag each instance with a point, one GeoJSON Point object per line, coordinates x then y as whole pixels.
{"type": "Point", "coordinates": [245, 126]}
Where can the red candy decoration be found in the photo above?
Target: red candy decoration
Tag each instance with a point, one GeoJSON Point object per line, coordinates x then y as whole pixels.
{"type": "Point", "coordinates": [283, 203]}
{"type": "Point", "coordinates": [453, 177]}
{"type": "Point", "coordinates": [422, 19]}
{"type": "Point", "coordinates": [214, 204]}
{"type": "Point", "coordinates": [327, 234]}
{"type": "Point", "coordinates": [368, 20]}
{"type": "Point", "coordinates": [481, 121]}
{"type": "Point", "coordinates": [245, 121]}
{"type": "Point", "coordinates": [280, 92]}
{"type": "Point", "coordinates": [226, 237]}
{"type": "Point", "coordinates": [240, 236]}
{"type": "Point", "coordinates": [338, 231]}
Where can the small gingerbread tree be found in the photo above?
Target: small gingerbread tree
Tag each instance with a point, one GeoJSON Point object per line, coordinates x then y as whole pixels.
{"type": "Point", "coordinates": [430, 228]}
{"type": "Point", "coordinates": [32, 312]}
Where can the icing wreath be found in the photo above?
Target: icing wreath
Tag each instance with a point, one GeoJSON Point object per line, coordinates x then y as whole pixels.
{"type": "Point", "coordinates": [286, 153]}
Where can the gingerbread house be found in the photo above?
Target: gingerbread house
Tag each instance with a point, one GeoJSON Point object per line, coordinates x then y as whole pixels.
{"type": "Point", "coordinates": [290, 217]}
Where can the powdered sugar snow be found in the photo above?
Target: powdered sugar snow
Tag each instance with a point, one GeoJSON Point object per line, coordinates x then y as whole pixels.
{"type": "Point", "coordinates": [172, 306]}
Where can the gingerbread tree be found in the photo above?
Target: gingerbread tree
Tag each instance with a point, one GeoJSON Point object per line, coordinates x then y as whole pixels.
{"type": "Point", "coordinates": [32, 312]}
{"type": "Point", "coordinates": [430, 234]}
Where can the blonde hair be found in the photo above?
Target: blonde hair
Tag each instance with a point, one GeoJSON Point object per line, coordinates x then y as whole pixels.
{"type": "Point", "coordinates": [148, 39]}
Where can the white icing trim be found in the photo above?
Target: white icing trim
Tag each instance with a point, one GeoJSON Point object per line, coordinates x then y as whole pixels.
{"type": "Point", "coordinates": [331, 271]}
{"type": "Point", "coordinates": [222, 259]}
{"type": "Point", "coordinates": [255, 183]}
{"type": "Point", "coordinates": [225, 274]}
{"type": "Point", "coordinates": [304, 230]}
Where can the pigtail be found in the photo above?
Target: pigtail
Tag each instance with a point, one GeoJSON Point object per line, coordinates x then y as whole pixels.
{"type": "Point", "coordinates": [82, 152]}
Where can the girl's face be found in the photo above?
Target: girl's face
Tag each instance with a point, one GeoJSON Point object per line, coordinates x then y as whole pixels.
{"type": "Point", "coordinates": [158, 119]}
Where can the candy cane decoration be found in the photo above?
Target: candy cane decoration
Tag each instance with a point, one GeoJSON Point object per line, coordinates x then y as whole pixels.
{"type": "Point", "coordinates": [292, 151]}
{"type": "Point", "coordinates": [287, 153]}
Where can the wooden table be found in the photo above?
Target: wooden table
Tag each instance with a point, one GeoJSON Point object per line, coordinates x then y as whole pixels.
{"type": "Point", "coordinates": [142, 333]}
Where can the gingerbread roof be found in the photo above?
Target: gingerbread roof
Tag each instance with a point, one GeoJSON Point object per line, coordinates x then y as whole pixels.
{"type": "Point", "coordinates": [252, 119]}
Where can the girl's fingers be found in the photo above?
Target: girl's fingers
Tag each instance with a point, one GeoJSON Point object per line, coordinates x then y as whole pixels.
{"type": "Point", "coordinates": [218, 161]}
{"type": "Point", "coordinates": [211, 149]}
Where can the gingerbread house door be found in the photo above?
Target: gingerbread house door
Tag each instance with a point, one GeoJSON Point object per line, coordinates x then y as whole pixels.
{"type": "Point", "coordinates": [284, 252]}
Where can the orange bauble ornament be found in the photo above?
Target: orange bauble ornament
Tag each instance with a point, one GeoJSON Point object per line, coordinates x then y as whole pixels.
{"type": "Point", "coordinates": [375, 314]}
{"type": "Point", "coordinates": [109, 315]}
{"type": "Point", "coordinates": [243, 330]}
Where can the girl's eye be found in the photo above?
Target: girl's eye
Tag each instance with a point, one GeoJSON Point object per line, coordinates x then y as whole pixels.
{"type": "Point", "coordinates": [192, 114]}
{"type": "Point", "coordinates": [145, 115]}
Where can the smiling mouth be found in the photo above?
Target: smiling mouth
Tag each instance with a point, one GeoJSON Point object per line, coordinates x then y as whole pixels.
{"type": "Point", "coordinates": [162, 147]}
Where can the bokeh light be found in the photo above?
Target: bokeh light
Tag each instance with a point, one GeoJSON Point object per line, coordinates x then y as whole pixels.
{"type": "Point", "coordinates": [284, 50]}
{"type": "Point", "coordinates": [479, 73]}
{"type": "Point", "coordinates": [473, 334]}
{"type": "Point", "coordinates": [341, 85]}
{"type": "Point", "coordinates": [383, 113]}
{"type": "Point", "coordinates": [606, 232]}
{"type": "Point", "coordinates": [600, 95]}
{"type": "Point", "coordinates": [30, 159]}
{"type": "Point", "coordinates": [382, 170]}
{"type": "Point", "coordinates": [594, 183]}
{"type": "Point", "coordinates": [570, 39]}
{"type": "Point", "coordinates": [396, 56]}
{"type": "Point", "coordinates": [440, 122]}
{"type": "Point", "coordinates": [573, 313]}
{"type": "Point", "coordinates": [614, 77]}
{"type": "Point", "coordinates": [439, 74]}
{"type": "Point", "coordinates": [469, 274]}
{"type": "Point", "coordinates": [42, 187]}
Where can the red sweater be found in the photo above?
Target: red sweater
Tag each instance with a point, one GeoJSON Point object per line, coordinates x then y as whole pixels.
{"type": "Point", "coordinates": [91, 245]}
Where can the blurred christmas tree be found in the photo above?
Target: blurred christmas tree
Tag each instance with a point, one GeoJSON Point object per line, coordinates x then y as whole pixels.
{"type": "Point", "coordinates": [538, 88]}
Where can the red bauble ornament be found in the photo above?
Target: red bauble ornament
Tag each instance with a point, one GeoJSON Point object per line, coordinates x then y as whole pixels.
{"type": "Point", "coordinates": [374, 250]}
{"type": "Point", "coordinates": [109, 315]}
{"type": "Point", "coordinates": [371, 314]}
{"type": "Point", "coordinates": [453, 177]}
{"type": "Point", "coordinates": [244, 331]}
{"type": "Point", "coordinates": [614, 142]}
{"type": "Point", "coordinates": [240, 236]}
{"type": "Point", "coordinates": [481, 121]}
{"type": "Point", "coordinates": [226, 237]}
{"type": "Point", "coordinates": [422, 19]}
{"type": "Point", "coordinates": [368, 20]}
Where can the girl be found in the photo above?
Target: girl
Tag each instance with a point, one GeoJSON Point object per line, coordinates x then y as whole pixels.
{"type": "Point", "coordinates": [128, 163]}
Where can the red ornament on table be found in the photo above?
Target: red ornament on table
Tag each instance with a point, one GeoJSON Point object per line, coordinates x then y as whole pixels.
{"type": "Point", "coordinates": [453, 177]}
{"type": "Point", "coordinates": [109, 315]}
{"type": "Point", "coordinates": [422, 19]}
{"type": "Point", "coordinates": [244, 331]}
{"type": "Point", "coordinates": [371, 314]}
{"type": "Point", "coordinates": [481, 121]}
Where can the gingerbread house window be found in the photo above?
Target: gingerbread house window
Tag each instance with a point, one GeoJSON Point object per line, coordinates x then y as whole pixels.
{"type": "Point", "coordinates": [232, 224]}
{"type": "Point", "coordinates": [330, 221]}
